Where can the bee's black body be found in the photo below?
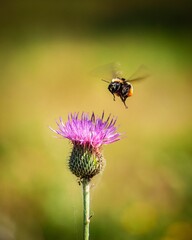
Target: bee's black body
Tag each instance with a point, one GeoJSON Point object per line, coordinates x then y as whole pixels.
{"type": "Point", "coordinates": [121, 88]}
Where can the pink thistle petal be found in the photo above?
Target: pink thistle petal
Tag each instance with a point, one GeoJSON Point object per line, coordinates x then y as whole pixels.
{"type": "Point", "coordinates": [85, 130]}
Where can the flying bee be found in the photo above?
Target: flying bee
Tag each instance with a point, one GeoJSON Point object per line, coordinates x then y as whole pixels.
{"type": "Point", "coordinates": [122, 87]}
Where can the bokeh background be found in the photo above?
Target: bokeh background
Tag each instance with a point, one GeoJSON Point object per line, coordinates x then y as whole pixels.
{"type": "Point", "coordinates": [48, 51]}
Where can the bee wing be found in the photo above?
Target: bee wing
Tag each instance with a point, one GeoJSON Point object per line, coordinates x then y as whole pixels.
{"type": "Point", "coordinates": [141, 73]}
{"type": "Point", "coordinates": [107, 71]}
{"type": "Point", "coordinates": [115, 70]}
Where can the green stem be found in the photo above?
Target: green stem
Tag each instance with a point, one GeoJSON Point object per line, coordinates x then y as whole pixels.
{"type": "Point", "coordinates": [86, 208]}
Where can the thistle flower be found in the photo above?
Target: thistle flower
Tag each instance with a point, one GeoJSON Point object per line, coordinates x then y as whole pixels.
{"type": "Point", "coordinates": [88, 134]}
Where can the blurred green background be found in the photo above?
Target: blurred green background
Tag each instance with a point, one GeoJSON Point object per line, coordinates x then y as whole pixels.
{"type": "Point", "coordinates": [48, 50]}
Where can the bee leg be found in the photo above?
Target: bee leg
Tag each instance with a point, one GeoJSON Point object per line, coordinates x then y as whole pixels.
{"type": "Point", "coordinates": [113, 97]}
{"type": "Point", "coordinates": [123, 100]}
{"type": "Point", "coordinates": [125, 104]}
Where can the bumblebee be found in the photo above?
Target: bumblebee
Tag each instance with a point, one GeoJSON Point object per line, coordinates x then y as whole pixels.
{"type": "Point", "coordinates": [121, 87]}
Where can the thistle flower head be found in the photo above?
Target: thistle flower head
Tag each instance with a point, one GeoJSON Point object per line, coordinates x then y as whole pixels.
{"type": "Point", "coordinates": [87, 134]}
{"type": "Point", "coordinates": [87, 130]}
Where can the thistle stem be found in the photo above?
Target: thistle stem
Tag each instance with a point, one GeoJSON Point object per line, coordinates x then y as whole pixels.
{"type": "Point", "coordinates": [86, 208]}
